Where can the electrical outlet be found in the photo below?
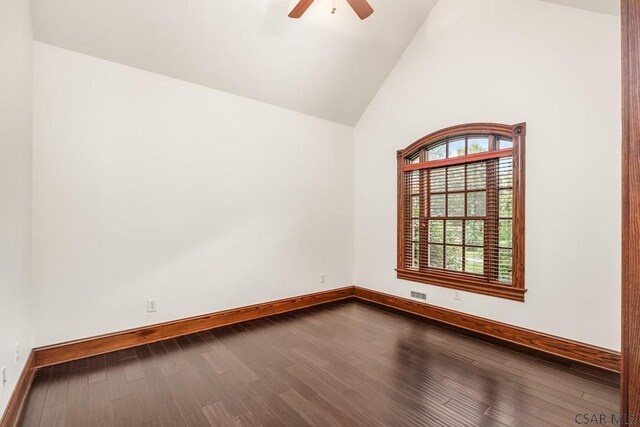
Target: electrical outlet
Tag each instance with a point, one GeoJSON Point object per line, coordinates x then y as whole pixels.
{"type": "Point", "coordinates": [152, 305]}
{"type": "Point", "coordinates": [4, 376]}
{"type": "Point", "coordinates": [457, 296]}
{"type": "Point", "coordinates": [419, 295]}
{"type": "Point", "coordinates": [323, 278]}
{"type": "Point", "coordinates": [17, 355]}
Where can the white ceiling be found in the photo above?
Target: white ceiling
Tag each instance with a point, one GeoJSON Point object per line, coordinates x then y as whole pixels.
{"type": "Point", "coordinates": [610, 7]}
{"type": "Point", "coordinates": [325, 65]}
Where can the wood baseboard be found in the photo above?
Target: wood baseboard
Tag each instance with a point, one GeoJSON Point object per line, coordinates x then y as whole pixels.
{"type": "Point", "coordinates": [19, 396]}
{"type": "Point", "coordinates": [549, 344]}
{"type": "Point", "coordinates": [79, 349]}
{"type": "Point", "coordinates": [500, 332]}
{"type": "Point", "coordinates": [523, 338]}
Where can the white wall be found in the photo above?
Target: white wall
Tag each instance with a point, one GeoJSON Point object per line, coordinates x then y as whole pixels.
{"type": "Point", "coordinates": [507, 61]}
{"type": "Point", "coordinates": [150, 187]}
{"type": "Point", "coordinates": [16, 55]}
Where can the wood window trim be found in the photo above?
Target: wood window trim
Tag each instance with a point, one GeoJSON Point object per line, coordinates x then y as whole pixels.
{"type": "Point", "coordinates": [462, 281]}
{"type": "Point", "coordinates": [630, 384]}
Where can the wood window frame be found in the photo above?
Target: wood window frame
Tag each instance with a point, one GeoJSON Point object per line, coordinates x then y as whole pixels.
{"type": "Point", "coordinates": [460, 280]}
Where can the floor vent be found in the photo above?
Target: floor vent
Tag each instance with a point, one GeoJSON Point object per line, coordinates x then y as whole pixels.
{"type": "Point", "coordinates": [418, 295]}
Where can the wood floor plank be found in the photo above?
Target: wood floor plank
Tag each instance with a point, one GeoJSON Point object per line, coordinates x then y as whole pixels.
{"type": "Point", "coordinates": [341, 364]}
{"type": "Point", "coordinates": [78, 386]}
{"type": "Point", "coordinates": [58, 386]}
{"type": "Point", "coordinates": [217, 414]}
{"type": "Point", "coordinates": [37, 395]}
{"type": "Point", "coordinates": [116, 377]}
{"type": "Point", "coordinates": [97, 368]}
{"type": "Point", "coordinates": [306, 409]}
{"type": "Point", "coordinates": [133, 368]}
{"type": "Point", "coordinates": [188, 407]}
{"type": "Point", "coordinates": [54, 416]}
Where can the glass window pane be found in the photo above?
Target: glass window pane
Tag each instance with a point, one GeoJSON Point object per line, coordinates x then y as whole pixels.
{"type": "Point", "coordinates": [477, 144]}
{"type": "Point", "coordinates": [436, 256]}
{"type": "Point", "coordinates": [437, 180]}
{"type": "Point", "coordinates": [453, 258]}
{"type": "Point", "coordinates": [454, 231]}
{"type": "Point", "coordinates": [437, 205]}
{"type": "Point", "coordinates": [415, 255]}
{"type": "Point", "coordinates": [476, 176]}
{"type": "Point", "coordinates": [477, 203]}
{"type": "Point", "coordinates": [474, 232]}
{"type": "Point", "coordinates": [504, 143]}
{"type": "Point", "coordinates": [415, 207]}
{"type": "Point", "coordinates": [505, 199]}
{"type": "Point", "coordinates": [456, 148]}
{"type": "Point", "coordinates": [415, 229]}
{"type": "Point", "coordinates": [474, 260]}
{"type": "Point", "coordinates": [505, 238]}
{"type": "Point", "coordinates": [505, 172]}
{"type": "Point", "coordinates": [436, 231]}
{"type": "Point", "coordinates": [437, 152]}
{"type": "Point", "coordinates": [455, 178]}
{"type": "Point", "coordinates": [414, 159]}
{"type": "Point", "coordinates": [456, 204]}
{"type": "Point", "coordinates": [504, 265]}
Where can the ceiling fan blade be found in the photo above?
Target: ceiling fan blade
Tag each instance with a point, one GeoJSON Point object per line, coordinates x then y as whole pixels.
{"type": "Point", "coordinates": [361, 7]}
{"type": "Point", "coordinates": [300, 8]}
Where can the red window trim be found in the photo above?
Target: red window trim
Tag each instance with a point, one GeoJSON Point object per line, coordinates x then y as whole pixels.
{"type": "Point", "coordinates": [476, 157]}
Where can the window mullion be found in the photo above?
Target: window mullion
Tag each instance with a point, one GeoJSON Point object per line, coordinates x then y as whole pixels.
{"type": "Point", "coordinates": [424, 209]}
{"type": "Point", "coordinates": [491, 218]}
{"type": "Point", "coordinates": [464, 221]}
{"type": "Point", "coordinates": [445, 217]}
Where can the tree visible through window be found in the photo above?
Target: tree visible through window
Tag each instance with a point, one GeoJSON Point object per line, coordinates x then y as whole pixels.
{"type": "Point", "coordinates": [461, 209]}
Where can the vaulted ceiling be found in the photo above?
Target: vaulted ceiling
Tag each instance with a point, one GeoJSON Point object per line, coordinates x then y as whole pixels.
{"type": "Point", "coordinates": [325, 65]}
{"type": "Point", "coordinates": [610, 7]}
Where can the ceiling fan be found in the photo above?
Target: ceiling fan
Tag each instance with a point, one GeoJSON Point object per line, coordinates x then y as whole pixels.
{"type": "Point", "coordinates": [361, 7]}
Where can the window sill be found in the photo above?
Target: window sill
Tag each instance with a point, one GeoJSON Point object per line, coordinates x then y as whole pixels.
{"type": "Point", "coordinates": [464, 284]}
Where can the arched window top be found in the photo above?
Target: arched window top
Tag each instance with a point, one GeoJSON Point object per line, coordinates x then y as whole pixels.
{"type": "Point", "coordinates": [471, 139]}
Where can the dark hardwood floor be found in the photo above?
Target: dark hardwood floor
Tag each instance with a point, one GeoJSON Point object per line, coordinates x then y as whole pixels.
{"type": "Point", "coordinates": [345, 363]}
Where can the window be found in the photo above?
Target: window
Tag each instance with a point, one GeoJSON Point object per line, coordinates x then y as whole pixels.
{"type": "Point", "coordinates": [461, 209]}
